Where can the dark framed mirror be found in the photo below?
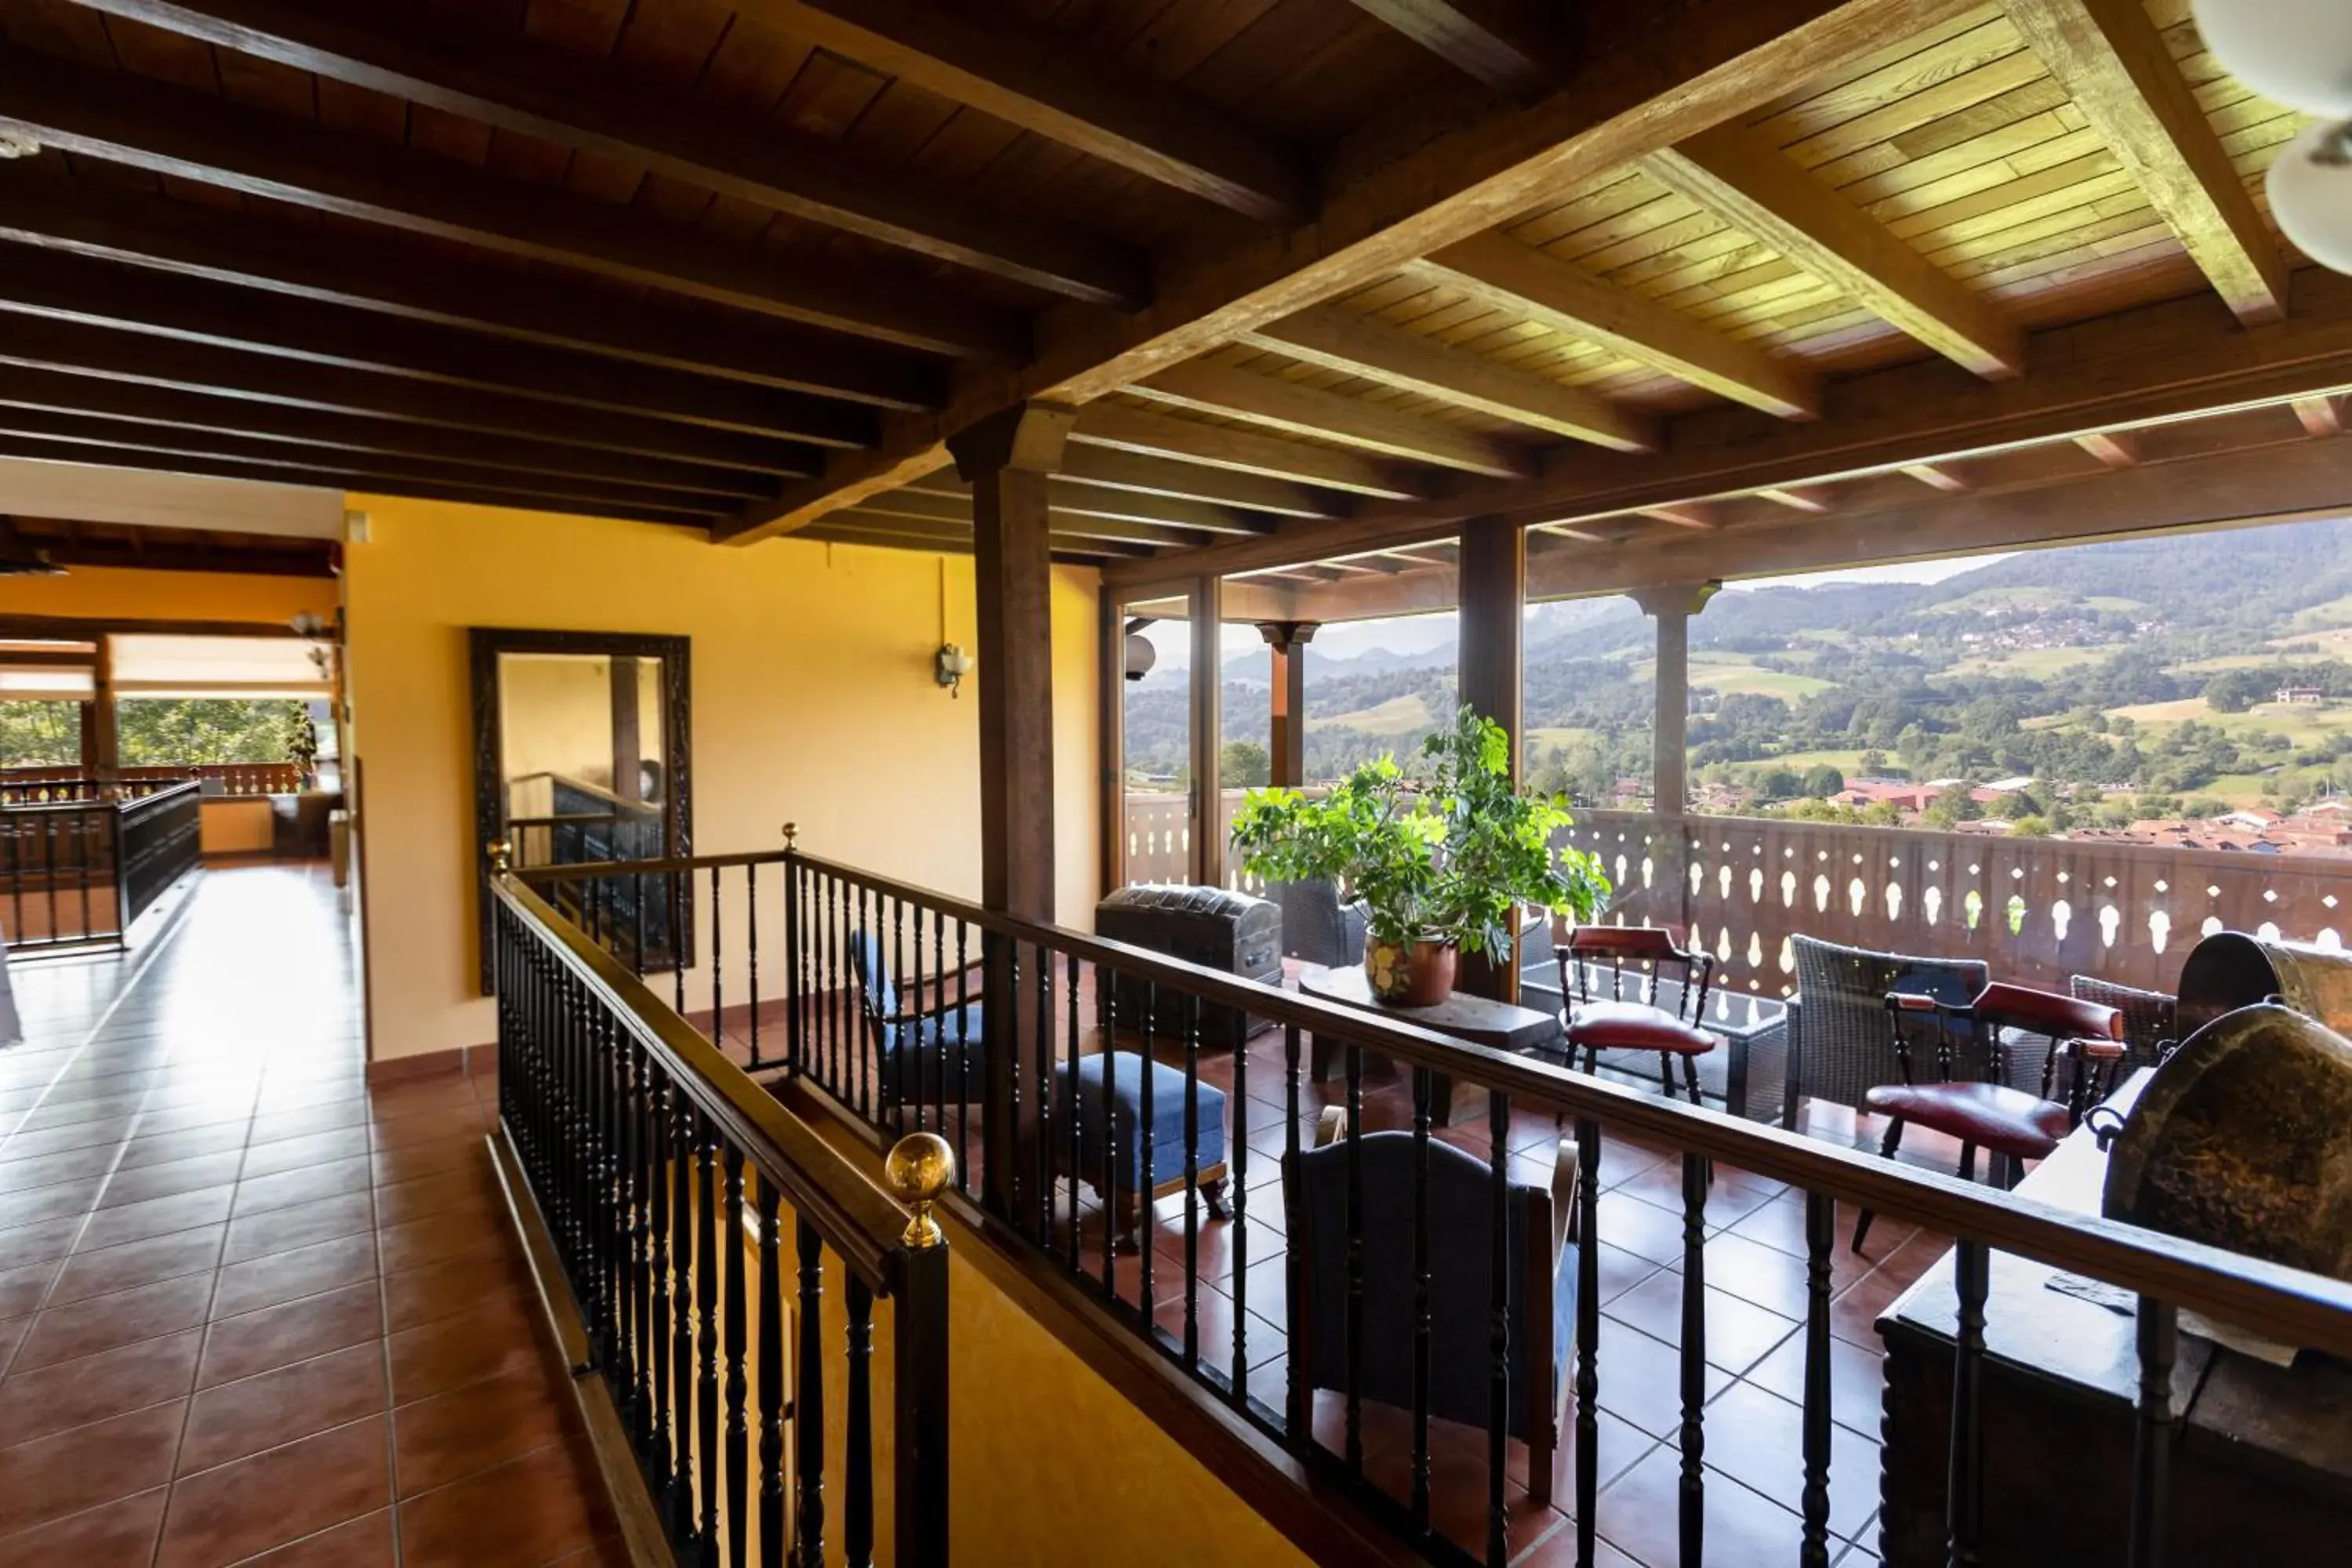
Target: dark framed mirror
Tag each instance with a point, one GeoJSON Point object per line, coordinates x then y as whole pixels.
{"type": "Point", "coordinates": [583, 751]}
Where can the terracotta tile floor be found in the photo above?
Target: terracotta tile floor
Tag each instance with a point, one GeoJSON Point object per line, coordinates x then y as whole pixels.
{"type": "Point", "coordinates": [1755, 1343]}
{"type": "Point", "coordinates": [251, 1311]}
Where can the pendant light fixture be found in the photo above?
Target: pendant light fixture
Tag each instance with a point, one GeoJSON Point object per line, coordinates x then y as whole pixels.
{"type": "Point", "coordinates": [2297, 53]}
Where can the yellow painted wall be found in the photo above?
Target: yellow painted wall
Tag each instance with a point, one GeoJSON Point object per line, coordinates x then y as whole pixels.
{"type": "Point", "coordinates": [122, 594]}
{"type": "Point", "coordinates": [555, 715]}
{"type": "Point", "coordinates": [812, 703]}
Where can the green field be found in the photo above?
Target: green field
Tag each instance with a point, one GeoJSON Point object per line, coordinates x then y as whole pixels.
{"type": "Point", "coordinates": [1540, 740]}
{"type": "Point", "coordinates": [2035, 663]}
{"type": "Point", "coordinates": [1397, 715]}
{"type": "Point", "coordinates": [1735, 677]}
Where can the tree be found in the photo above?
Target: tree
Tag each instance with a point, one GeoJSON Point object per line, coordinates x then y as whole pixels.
{"type": "Point", "coordinates": [40, 734]}
{"type": "Point", "coordinates": [172, 732]}
{"type": "Point", "coordinates": [1245, 764]}
{"type": "Point", "coordinates": [2030, 826]}
{"type": "Point", "coordinates": [1873, 764]}
{"type": "Point", "coordinates": [1951, 806]}
{"type": "Point", "coordinates": [1881, 814]}
{"type": "Point", "coordinates": [1779, 784]}
{"type": "Point", "coordinates": [1823, 780]}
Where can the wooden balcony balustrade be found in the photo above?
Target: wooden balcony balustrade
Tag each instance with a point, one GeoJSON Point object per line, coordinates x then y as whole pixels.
{"type": "Point", "coordinates": [901, 1010]}
{"type": "Point", "coordinates": [77, 873]}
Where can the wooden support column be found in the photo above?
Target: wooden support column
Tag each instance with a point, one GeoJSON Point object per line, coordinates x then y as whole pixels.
{"type": "Point", "coordinates": [1207, 683]}
{"type": "Point", "coordinates": [628, 756]}
{"type": "Point", "coordinates": [1672, 605]}
{"type": "Point", "coordinates": [1006, 458]}
{"type": "Point", "coordinates": [1493, 588]}
{"type": "Point", "coordinates": [102, 745]}
{"type": "Point", "coordinates": [1286, 739]}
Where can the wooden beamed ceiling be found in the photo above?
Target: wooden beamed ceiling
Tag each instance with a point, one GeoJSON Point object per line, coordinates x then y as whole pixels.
{"type": "Point", "coordinates": [1323, 279]}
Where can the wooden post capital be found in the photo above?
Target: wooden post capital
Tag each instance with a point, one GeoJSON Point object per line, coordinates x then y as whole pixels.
{"type": "Point", "coordinates": [1675, 598]}
{"type": "Point", "coordinates": [1284, 636]}
{"type": "Point", "coordinates": [1028, 436]}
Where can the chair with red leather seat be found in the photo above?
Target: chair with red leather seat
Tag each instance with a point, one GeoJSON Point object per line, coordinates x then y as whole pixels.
{"type": "Point", "coordinates": [1604, 1018]}
{"type": "Point", "coordinates": [2009, 1124]}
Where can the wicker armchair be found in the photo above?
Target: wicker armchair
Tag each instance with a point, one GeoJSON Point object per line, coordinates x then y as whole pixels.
{"type": "Point", "coordinates": [1840, 1043]}
{"type": "Point", "coordinates": [2151, 1029]}
{"type": "Point", "coordinates": [1316, 928]}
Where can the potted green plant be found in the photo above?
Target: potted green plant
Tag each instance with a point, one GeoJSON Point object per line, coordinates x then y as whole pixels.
{"type": "Point", "coordinates": [1443, 857]}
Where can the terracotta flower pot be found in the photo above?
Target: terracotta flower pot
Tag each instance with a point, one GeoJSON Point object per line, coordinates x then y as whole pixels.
{"type": "Point", "coordinates": [1421, 975]}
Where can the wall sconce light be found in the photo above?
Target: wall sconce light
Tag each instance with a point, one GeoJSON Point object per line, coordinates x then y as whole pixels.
{"type": "Point", "coordinates": [950, 667]}
{"type": "Point", "coordinates": [1141, 654]}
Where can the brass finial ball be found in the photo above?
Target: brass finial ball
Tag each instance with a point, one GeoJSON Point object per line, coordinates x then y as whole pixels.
{"type": "Point", "coordinates": [918, 1169]}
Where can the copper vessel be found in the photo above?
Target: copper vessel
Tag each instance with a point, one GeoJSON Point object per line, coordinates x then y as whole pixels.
{"type": "Point", "coordinates": [2242, 1140]}
{"type": "Point", "coordinates": [2230, 970]}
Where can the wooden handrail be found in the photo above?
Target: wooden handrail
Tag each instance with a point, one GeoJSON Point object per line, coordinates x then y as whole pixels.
{"type": "Point", "coordinates": [857, 1219]}
{"type": "Point", "coordinates": [2284, 1304]}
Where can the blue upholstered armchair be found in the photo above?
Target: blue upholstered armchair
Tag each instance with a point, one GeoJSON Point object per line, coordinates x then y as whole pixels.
{"type": "Point", "coordinates": [1316, 928]}
{"type": "Point", "coordinates": [936, 1054]}
{"type": "Point", "coordinates": [1541, 1289]}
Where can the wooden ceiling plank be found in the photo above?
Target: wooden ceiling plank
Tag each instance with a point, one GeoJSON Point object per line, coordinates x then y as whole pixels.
{"type": "Point", "coordinates": [469, 493]}
{"type": "Point", "coordinates": [866, 516]}
{"type": "Point", "coordinates": [1737, 176]}
{"type": "Point", "coordinates": [121, 119]}
{"type": "Point", "coordinates": [1700, 517]}
{"type": "Point", "coordinates": [2113, 448]}
{"type": "Point", "coordinates": [1340, 340]}
{"type": "Point", "coordinates": [1644, 83]}
{"type": "Point", "coordinates": [528, 89]}
{"type": "Point", "coordinates": [85, 219]}
{"type": "Point", "coordinates": [2114, 63]}
{"type": "Point", "coordinates": [1305, 411]}
{"type": "Point", "coordinates": [1521, 279]}
{"type": "Point", "coordinates": [55, 392]}
{"type": "Point", "coordinates": [1216, 446]}
{"type": "Point", "coordinates": [44, 344]}
{"type": "Point", "coordinates": [1080, 499]}
{"type": "Point", "coordinates": [921, 506]}
{"type": "Point", "coordinates": [1122, 115]}
{"type": "Point", "coordinates": [1498, 42]}
{"type": "Point", "coordinates": [124, 435]}
{"type": "Point", "coordinates": [63, 287]}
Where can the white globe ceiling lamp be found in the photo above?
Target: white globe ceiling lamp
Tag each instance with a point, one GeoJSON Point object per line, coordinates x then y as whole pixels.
{"type": "Point", "coordinates": [2294, 52]}
{"type": "Point", "coordinates": [2310, 187]}
{"type": "Point", "coordinates": [2297, 53]}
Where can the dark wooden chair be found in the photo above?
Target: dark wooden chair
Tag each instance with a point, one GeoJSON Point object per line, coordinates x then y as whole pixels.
{"type": "Point", "coordinates": [1540, 1288]}
{"type": "Point", "coordinates": [1605, 1018]}
{"type": "Point", "coordinates": [2009, 1124]}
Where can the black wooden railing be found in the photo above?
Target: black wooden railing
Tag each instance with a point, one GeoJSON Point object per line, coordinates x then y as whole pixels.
{"type": "Point", "coordinates": [77, 874]}
{"type": "Point", "coordinates": [669, 1183]}
{"type": "Point", "coordinates": [868, 1007]}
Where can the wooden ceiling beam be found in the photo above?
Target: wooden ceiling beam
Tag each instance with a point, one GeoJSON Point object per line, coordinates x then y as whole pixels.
{"type": "Point", "coordinates": [2136, 367]}
{"type": "Point", "coordinates": [2319, 415]}
{"type": "Point", "coordinates": [469, 492]}
{"type": "Point", "coordinates": [1698, 516]}
{"type": "Point", "coordinates": [1519, 278]}
{"type": "Point", "coordinates": [1739, 177]}
{"type": "Point", "coordinates": [2274, 483]}
{"type": "Point", "coordinates": [2113, 448]}
{"type": "Point", "coordinates": [1339, 339]}
{"type": "Point", "coordinates": [865, 517]}
{"type": "Point", "coordinates": [1065, 495]}
{"type": "Point", "coordinates": [1502, 44]}
{"type": "Point", "coordinates": [38, 343]}
{"type": "Point", "coordinates": [1220, 487]}
{"type": "Point", "coordinates": [55, 392]}
{"type": "Point", "coordinates": [922, 506]}
{"type": "Point", "coordinates": [1810, 499]}
{"type": "Point", "coordinates": [1222, 446]}
{"type": "Point", "coordinates": [2111, 60]}
{"type": "Point", "coordinates": [88, 219]}
{"type": "Point", "coordinates": [116, 435]}
{"type": "Point", "coordinates": [1936, 477]}
{"type": "Point", "coordinates": [119, 118]}
{"type": "Point", "coordinates": [1307, 411]}
{"type": "Point", "coordinates": [172, 550]}
{"type": "Point", "coordinates": [69, 288]}
{"type": "Point", "coordinates": [526, 89]}
{"type": "Point", "coordinates": [1644, 83]}
{"type": "Point", "coordinates": [1037, 80]}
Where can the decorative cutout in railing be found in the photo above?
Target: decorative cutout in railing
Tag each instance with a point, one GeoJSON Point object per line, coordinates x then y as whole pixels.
{"type": "Point", "coordinates": [2036, 910]}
